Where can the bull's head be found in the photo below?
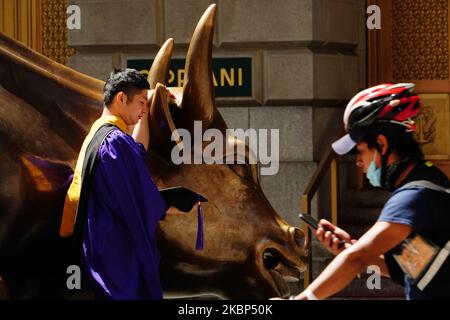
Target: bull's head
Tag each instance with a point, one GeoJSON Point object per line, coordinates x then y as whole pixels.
{"type": "Point", "coordinates": [250, 251]}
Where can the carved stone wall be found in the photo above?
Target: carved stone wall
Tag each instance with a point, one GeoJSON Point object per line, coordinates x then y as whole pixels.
{"type": "Point", "coordinates": [420, 48]}
{"type": "Point", "coordinates": [433, 126]}
{"type": "Point", "coordinates": [54, 31]}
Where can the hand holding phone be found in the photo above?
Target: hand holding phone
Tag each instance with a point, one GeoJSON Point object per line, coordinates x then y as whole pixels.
{"type": "Point", "coordinates": [314, 224]}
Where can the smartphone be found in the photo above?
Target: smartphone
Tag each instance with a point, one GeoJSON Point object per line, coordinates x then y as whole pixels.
{"type": "Point", "coordinates": [313, 223]}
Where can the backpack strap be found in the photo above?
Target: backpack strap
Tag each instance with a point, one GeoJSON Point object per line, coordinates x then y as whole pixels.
{"type": "Point", "coordinates": [434, 267]}
{"type": "Point", "coordinates": [426, 184]}
{"type": "Point", "coordinates": [443, 254]}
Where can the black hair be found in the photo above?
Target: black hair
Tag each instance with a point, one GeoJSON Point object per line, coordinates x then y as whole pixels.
{"type": "Point", "coordinates": [128, 81]}
{"type": "Point", "coordinates": [401, 142]}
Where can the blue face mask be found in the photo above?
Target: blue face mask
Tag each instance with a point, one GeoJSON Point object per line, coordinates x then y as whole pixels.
{"type": "Point", "coordinates": [374, 173]}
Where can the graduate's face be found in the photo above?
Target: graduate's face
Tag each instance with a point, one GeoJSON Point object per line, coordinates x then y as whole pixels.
{"type": "Point", "coordinates": [133, 106]}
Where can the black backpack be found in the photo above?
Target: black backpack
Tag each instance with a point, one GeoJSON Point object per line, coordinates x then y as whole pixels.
{"type": "Point", "coordinates": [441, 261]}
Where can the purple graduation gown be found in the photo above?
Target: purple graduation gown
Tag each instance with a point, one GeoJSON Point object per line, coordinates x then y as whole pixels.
{"type": "Point", "coordinates": [123, 211]}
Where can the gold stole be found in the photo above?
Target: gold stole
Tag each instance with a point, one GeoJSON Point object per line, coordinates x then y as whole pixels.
{"type": "Point", "coordinates": [73, 194]}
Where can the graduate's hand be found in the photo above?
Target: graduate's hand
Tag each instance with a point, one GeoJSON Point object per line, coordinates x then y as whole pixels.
{"type": "Point", "coordinates": [171, 97]}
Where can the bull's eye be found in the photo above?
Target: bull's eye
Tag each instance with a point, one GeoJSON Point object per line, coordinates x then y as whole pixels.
{"type": "Point", "coordinates": [270, 259]}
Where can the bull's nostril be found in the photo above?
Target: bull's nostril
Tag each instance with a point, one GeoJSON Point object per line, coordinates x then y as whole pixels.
{"type": "Point", "coordinates": [270, 260]}
{"type": "Point", "coordinates": [299, 238]}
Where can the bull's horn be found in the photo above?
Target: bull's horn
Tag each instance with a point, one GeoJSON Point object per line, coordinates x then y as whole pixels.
{"type": "Point", "coordinates": [160, 66]}
{"type": "Point", "coordinates": [198, 90]}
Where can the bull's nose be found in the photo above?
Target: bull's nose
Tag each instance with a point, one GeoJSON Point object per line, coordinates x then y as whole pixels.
{"type": "Point", "coordinates": [298, 237]}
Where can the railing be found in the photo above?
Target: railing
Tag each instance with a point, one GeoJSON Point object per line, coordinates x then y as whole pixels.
{"type": "Point", "coordinates": [329, 161]}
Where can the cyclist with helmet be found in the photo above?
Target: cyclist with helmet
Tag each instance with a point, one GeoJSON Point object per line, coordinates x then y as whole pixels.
{"type": "Point", "coordinates": [379, 124]}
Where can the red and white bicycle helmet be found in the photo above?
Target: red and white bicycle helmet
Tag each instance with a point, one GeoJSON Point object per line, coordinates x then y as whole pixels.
{"type": "Point", "coordinates": [385, 103]}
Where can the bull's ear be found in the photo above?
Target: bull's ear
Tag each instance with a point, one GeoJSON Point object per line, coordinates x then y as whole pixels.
{"type": "Point", "coordinates": [198, 90]}
{"type": "Point", "coordinates": [159, 71]}
{"type": "Point", "coordinates": [161, 124]}
{"type": "Point", "coordinates": [160, 120]}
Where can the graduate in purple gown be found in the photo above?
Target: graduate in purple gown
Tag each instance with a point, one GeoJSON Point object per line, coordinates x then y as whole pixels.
{"type": "Point", "coordinates": [123, 211]}
{"type": "Point", "coordinates": [113, 205]}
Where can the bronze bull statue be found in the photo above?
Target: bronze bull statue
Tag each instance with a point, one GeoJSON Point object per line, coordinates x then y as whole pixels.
{"type": "Point", "coordinates": [46, 110]}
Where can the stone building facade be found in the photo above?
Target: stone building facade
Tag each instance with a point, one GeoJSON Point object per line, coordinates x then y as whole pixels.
{"type": "Point", "coordinates": [307, 58]}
